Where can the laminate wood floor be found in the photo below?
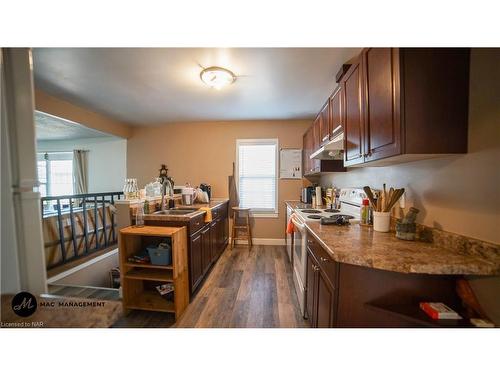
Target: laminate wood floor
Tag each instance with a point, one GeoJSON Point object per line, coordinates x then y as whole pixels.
{"type": "Point", "coordinates": [247, 288]}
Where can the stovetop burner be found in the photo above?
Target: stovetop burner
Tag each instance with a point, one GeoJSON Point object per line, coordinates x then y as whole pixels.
{"type": "Point", "coordinates": [314, 216]}
{"type": "Point", "coordinates": [332, 210]}
{"type": "Point", "coordinates": [311, 211]}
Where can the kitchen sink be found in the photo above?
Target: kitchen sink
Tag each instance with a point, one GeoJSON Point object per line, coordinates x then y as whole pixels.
{"type": "Point", "coordinates": [176, 211]}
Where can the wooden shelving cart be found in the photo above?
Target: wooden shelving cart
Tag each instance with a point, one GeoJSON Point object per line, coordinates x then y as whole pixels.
{"type": "Point", "coordinates": [138, 280]}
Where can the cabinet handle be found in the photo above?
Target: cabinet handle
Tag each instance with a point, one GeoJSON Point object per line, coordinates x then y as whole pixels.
{"type": "Point", "coordinates": [324, 259]}
{"type": "Point", "coordinates": [325, 138]}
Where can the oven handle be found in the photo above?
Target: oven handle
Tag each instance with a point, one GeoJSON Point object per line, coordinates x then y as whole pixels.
{"type": "Point", "coordinates": [301, 226]}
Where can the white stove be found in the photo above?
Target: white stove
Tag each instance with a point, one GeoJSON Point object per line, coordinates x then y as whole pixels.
{"type": "Point", "coordinates": [350, 203]}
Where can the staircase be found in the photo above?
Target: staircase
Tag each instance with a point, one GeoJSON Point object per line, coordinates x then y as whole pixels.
{"type": "Point", "coordinates": [108, 294]}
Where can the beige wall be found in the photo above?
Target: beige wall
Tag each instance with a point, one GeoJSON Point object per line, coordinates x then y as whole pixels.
{"type": "Point", "coordinates": [61, 108]}
{"type": "Point", "coordinates": [457, 193]}
{"type": "Point", "coordinates": [204, 152]}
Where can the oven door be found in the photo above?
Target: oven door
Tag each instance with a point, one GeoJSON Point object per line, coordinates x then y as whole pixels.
{"type": "Point", "coordinates": [289, 236]}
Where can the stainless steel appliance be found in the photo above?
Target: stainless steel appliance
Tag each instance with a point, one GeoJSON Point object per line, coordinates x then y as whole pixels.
{"type": "Point", "coordinates": [289, 236]}
{"type": "Point", "coordinates": [350, 203]}
{"type": "Point", "coordinates": [307, 193]}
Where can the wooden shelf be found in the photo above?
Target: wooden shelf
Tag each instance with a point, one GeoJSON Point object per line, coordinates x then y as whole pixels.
{"type": "Point", "coordinates": [138, 293]}
{"type": "Point", "coordinates": [150, 231]}
{"type": "Point", "coordinates": [150, 274]}
{"type": "Point", "coordinates": [414, 315]}
{"type": "Point", "coordinates": [154, 266]}
{"type": "Point", "coordinates": [151, 301]}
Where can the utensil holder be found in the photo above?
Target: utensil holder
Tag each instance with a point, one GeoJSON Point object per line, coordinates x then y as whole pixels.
{"type": "Point", "coordinates": [381, 221]}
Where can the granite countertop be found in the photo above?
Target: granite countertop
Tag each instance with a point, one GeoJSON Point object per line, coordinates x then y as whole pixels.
{"type": "Point", "coordinates": [362, 246]}
{"type": "Point", "coordinates": [214, 203]}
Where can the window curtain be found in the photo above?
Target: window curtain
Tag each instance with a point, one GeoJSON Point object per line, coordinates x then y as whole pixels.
{"type": "Point", "coordinates": [80, 171]}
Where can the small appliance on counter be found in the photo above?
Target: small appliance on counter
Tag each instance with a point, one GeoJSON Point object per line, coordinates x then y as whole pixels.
{"type": "Point", "coordinates": [207, 189]}
{"type": "Point", "coordinates": [307, 193]}
{"type": "Point", "coordinates": [188, 195]}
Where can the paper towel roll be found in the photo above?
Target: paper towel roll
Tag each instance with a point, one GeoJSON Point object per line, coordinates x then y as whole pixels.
{"type": "Point", "coordinates": [319, 198]}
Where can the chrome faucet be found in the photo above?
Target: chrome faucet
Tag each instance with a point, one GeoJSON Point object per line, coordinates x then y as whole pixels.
{"type": "Point", "coordinates": [166, 184]}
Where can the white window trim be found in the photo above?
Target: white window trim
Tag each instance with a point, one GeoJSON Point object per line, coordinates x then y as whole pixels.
{"type": "Point", "coordinates": [52, 155]}
{"type": "Point", "coordinates": [259, 141]}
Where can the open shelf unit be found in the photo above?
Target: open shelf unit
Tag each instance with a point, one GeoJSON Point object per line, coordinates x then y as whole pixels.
{"type": "Point", "coordinates": [139, 280]}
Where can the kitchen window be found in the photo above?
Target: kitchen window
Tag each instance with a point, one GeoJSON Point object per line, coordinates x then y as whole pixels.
{"type": "Point", "coordinates": [257, 175]}
{"type": "Point", "coordinates": [55, 173]}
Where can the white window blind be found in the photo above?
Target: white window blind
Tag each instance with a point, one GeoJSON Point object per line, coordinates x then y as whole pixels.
{"type": "Point", "coordinates": [257, 174]}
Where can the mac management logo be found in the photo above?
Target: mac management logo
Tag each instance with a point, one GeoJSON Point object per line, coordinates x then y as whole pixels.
{"type": "Point", "coordinates": [24, 304]}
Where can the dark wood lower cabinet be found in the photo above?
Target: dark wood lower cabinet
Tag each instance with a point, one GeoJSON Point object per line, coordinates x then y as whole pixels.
{"type": "Point", "coordinates": [320, 295]}
{"type": "Point", "coordinates": [206, 248]}
{"type": "Point", "coordinates": [196, 256]}
{"type": "Point", "coordinates": [326, 304]}
{"type": "Point", "coordinates": [206, 242]}
{"type": "Point", "coordinates": [344, 295]}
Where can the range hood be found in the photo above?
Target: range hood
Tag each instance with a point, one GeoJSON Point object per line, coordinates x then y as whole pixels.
{"type": "Point", "coordinates": [333, 150]}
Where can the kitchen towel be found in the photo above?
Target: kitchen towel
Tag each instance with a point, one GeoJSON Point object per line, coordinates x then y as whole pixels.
{"type": "Point", "coordinates": [208, 214]}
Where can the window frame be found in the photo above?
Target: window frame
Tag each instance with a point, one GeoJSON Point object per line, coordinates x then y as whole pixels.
{"type": "Point", "coordinates": [260, 141]}
{"type": "Point", "coordinates": [53, 155]}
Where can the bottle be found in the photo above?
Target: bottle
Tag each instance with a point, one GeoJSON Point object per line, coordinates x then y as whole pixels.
{"type": "Point", "coordinates": [139, 216]}
{"type": "Point", "coordinates": [365, 212]}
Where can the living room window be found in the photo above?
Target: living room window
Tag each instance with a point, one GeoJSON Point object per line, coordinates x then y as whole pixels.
{"type": "Point", "coordinates": [55, 173]}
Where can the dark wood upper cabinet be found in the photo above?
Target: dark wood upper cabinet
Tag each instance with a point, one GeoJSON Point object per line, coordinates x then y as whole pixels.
{"type": "Point", "coordinates": [381, 101]}
{"type": "Point", "coordinates": [325, 124]}
{"type": "Point", "coordinates": [336, 111]}
{"type": "Point", "coordinates": [353, 116]}
{"type": "Point", "coordinates": [413, 104]}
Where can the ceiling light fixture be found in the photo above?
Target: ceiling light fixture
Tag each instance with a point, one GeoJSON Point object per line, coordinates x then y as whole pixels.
{"type": "Point", "coordinates": [217, 77]}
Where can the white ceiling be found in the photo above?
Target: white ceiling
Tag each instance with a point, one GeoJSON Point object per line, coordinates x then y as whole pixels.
{"type": "Point", "coordinates": [158, 85]}
{"type": "Point", "coordinates": [52, 128]}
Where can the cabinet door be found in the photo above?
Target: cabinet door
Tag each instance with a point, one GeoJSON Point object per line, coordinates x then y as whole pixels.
{"type": "Point", "coordinates": [336, 112]}
{"type": "Point", "coordinates": [220, 236]}
{"type": "Point", "coordinates": [315, 144]}
{"type": "Point", "coordinates": [213, 240]}
{"type": "Point", "coordinates": [380, 67]}
{"type": "Point", "coordinates": [325, 124]}
{"type": "Point", "coordinates": [325, 302]}
{"type": "Point", "coordinates": [353, 119]}
{"type": "Point", "coordinates": [308, 149]}
{"type": "Point", "coordinates": [206, 248]}
{"type": "Point", "coordinates": [311, 290]}
{"type": "Point", "coordinates": [196, 260]}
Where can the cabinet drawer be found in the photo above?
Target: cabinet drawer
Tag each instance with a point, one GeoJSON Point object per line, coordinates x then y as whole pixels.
{"type": "Point", "coordinates": [325, 261]}
{"type": "Point", "coordinates": [196, 224]}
